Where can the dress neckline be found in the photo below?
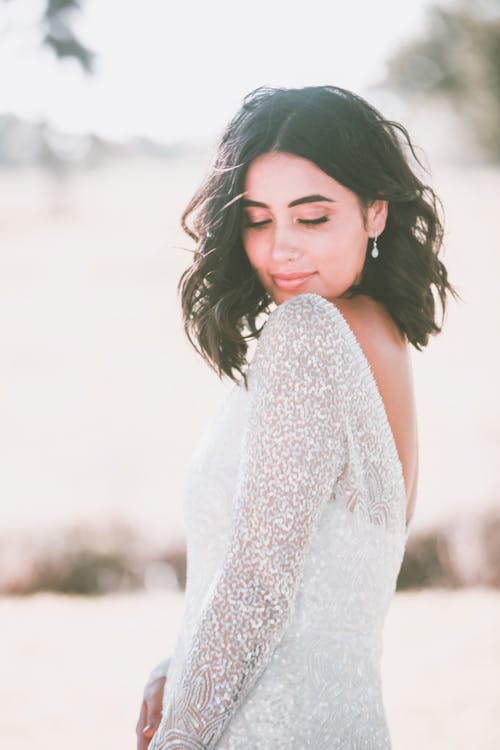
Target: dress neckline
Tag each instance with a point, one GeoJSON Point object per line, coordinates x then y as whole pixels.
{"type": "Point", "coordinates": [366, 368]}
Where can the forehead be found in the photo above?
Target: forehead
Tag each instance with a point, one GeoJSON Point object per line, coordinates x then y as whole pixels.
{"type": "Point", "coordinates": [276, 175]}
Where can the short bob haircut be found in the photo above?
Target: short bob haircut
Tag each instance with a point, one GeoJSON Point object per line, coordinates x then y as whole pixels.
{"type": "Point", "coordinates": [349, 140]}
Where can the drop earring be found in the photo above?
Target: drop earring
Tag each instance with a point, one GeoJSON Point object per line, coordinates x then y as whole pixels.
{"type": "Point", "coordinates": [374, 252]}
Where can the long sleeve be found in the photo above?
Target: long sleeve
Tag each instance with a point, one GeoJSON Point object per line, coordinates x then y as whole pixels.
{"type": "Point", "coordinates": [161, 670]}
{"type": "Point", "coordinates": [293, 451]}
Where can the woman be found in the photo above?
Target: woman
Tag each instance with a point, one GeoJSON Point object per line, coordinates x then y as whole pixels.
{"type": "Point", "coordinates": [300, 493]}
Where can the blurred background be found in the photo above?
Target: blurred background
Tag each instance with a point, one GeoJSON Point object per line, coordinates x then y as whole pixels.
{"type": "Point", "coordinates": [109, 117]}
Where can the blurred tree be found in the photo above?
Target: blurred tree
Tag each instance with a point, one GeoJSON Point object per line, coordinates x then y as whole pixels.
{"type": "Point", "coordinates": [58, 34]}
{"type": "Point", "coordinates": [459, 62]}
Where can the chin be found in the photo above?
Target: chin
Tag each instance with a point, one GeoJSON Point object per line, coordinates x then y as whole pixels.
{"type": "Point", "coordinates": [280, 295]}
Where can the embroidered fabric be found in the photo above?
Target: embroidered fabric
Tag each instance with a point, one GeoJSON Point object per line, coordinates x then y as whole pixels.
{"type": "Point", "coordinates": [294, 511]}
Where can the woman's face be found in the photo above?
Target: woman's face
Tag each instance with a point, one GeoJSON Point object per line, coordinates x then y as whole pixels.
{"type": "Point", "coordinates": [302, 230]}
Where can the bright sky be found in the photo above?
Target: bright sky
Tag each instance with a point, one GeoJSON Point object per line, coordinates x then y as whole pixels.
{"type": "Point", "coordinates": [178, 71]}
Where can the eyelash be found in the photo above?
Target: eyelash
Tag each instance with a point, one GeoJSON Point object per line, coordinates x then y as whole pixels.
{"type": "Point", "coordinates": [306, 222]}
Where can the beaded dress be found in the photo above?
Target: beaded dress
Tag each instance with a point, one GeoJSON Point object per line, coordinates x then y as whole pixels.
{"type": "Point", "coordinates": [294, 509]}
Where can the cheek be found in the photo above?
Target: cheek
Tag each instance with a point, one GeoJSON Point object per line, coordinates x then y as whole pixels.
{"type": "Point", "coordinates": [328, 246]}
{"type": "Point", "coordinates": [348, 237]}
{"type": "Point", "coordinates": [253, 249]}
{"type": "Point", "coordinates": [342, 250]}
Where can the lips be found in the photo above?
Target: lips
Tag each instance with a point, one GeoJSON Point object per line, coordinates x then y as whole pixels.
{"type": "Point", "coordinates": [291, 280]}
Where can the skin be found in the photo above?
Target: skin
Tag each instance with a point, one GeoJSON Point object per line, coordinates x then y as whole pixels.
{"type": "Point", "coordinates": [332, 253]}
{"type": "Point", "coordinates": [282, 242]}
{"type": "Point", "coordinates": [150, 713]}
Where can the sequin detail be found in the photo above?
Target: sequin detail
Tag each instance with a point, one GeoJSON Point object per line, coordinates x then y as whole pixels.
{"type": "Point", "coordinates": [295, 523]}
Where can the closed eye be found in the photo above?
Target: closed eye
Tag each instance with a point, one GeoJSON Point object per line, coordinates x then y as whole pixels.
{"type": "Point", "coordinates": [307, 222]}
{"type": "Point", "coordinates": [256, 223]}
{"type": "Point", "coordinates": [321, 220]}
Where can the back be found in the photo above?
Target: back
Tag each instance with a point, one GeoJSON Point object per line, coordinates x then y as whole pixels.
{"type": "Point", "coordinates": [388, 355]}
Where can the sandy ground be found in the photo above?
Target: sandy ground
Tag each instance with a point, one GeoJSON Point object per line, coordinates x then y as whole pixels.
{"type": "Point", "coordinates": [73, 668]}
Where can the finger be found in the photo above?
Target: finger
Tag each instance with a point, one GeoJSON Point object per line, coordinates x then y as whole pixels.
{"type": "Point", "coordinates": [154, 714]}
{"type": "Point", "coordinates": [143, 718]}
{"type": "Point", "coordinates": [153, 699]}
{"type": "Point", "coordinates": [149, 730]}
{"type": "Point", "coordinates": [154, 702]}
{"type": "Point", "coordinates": [142, 740]}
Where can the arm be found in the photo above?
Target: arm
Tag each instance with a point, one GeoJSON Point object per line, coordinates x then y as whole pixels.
{"type": "Point", "coordinates": [292, 454]}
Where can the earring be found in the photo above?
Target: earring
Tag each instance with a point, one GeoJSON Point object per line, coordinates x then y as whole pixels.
{"type": "Point", "coordinates": [374, 252]}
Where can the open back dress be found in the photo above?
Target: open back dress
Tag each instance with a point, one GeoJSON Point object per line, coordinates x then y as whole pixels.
{"type": "Point", "coordinates": [295, 518]}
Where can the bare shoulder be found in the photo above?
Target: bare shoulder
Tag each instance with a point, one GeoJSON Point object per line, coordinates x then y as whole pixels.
{"type": "Point", "coordinates": [373, 326]}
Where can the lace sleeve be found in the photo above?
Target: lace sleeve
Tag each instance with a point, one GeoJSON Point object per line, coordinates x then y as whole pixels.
{"type": "Point", "coordinates": [161, 670]}
{"type": "Point", "coordinates": [293, 452]}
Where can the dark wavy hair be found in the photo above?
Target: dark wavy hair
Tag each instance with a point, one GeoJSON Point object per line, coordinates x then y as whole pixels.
{"type": "Point", "coordinates": [221, 295]}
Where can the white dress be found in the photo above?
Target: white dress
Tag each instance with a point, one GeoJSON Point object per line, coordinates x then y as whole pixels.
{"type": "Point", "coordinates": [294, 512]}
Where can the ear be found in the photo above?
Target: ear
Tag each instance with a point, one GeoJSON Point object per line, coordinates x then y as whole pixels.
{"type": "Point", "coordinates": [376, 217]}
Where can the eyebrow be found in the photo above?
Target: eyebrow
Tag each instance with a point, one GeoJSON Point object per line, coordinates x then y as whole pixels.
{"type": "Point", "coordinates": [297, 202]}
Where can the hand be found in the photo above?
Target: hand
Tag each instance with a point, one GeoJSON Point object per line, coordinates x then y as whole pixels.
{"type": "Point", "coordinates": [150, 715]}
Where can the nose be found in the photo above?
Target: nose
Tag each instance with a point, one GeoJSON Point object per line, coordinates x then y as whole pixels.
{"type": "Point", "coordinates": [284, 244]}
